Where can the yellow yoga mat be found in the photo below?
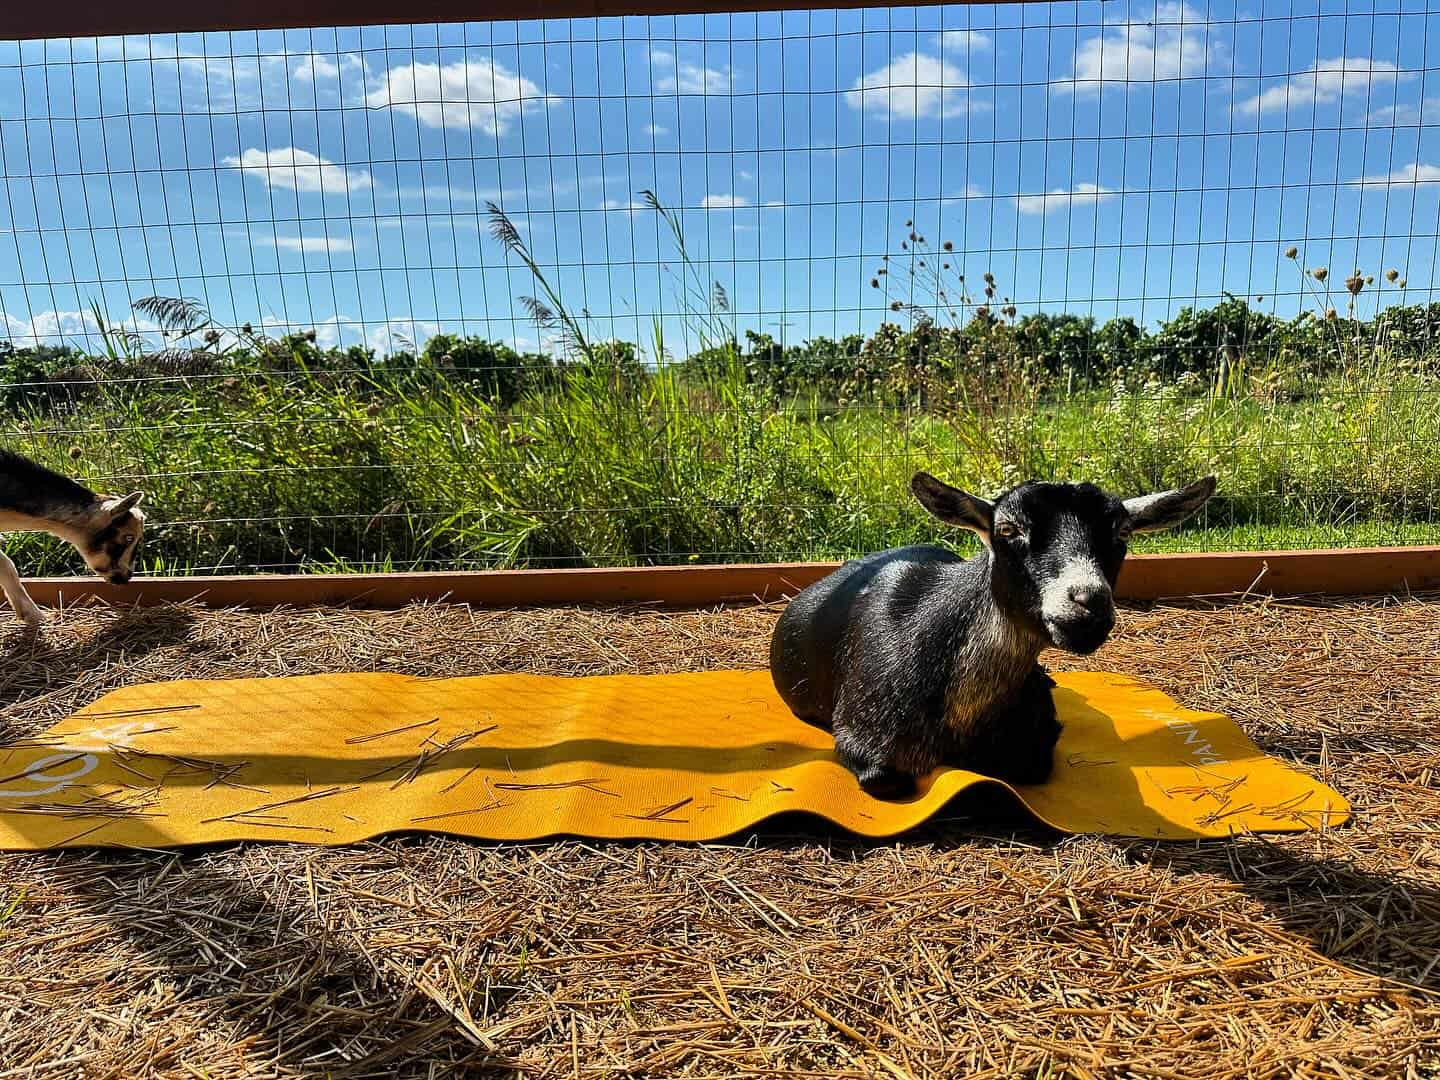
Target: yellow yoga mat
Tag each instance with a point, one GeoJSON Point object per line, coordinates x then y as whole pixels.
{"type": "Point", "coordinates": [332, 759]}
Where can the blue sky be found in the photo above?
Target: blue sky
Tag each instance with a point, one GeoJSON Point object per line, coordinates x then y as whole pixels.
{"type": "Point", "coordinates": [1130, 159]}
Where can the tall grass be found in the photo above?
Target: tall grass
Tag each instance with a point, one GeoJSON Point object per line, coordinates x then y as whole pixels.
{"type": "Point", "coordinates": [602, 460]}
{"type": "Point", "coordinates": [298, 472]}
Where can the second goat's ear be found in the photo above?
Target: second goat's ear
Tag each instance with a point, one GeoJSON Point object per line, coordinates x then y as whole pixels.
{"type": "Point", "coordinates": [118, 508]}
{"type": "Point", "coordinates": [953, 506]}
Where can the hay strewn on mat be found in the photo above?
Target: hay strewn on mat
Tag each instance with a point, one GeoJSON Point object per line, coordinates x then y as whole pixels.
{"type": "Point", "coordinates": [966, 949]}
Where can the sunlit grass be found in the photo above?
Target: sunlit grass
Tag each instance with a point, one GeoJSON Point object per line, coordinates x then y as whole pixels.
{"type": "Point", "coordinates": [305, 472]}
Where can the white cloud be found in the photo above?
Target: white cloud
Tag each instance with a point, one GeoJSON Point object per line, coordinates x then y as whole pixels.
{"type": "Point", "coordinates": [309, 245]}
{"type": "Point", "coordinates": [1324, 84]}
{"type": "Point", "coordinates": [478, 93]}
{"type": "Point", "coordinates": [337, 330]}
{"type": "Point", "coordinates": [1062, 199]}
{"type": "Point", "coordinates": [1406, 114]}
{"type": "Point", "coordinates": [313, 66]}
{"type": "Point", "coordinates": [72, 327]}
{"type": "Point", "coordinates": [331, 332]}
{"type": "Point", "coordinates": [1416, 173]}
{"type": "Point", "coordinates": [326, 78]}
{"type": "Point", "coordinates": [656, 130]}
{"type": "Point", "coordinates": [913, 85]}
{"type": "Point", "coordinates": [1170, 45]}
{"type": "Point", "coordinates": [623, 206]}
{"type": "Point", "coordinates": [393, 335]}
{"type": "Point", "coordinates": [961, 41]}
{"type": "Point", "coordinates": [970, 191]}
{"type": "Point", "coordinates": [670, 74]}
{"type": "Point", "coordinates": [723, 202]}
{"type": "Point", "coordinates": [389, 336]}
{"type": "Point", "coordinates": [299, 170]}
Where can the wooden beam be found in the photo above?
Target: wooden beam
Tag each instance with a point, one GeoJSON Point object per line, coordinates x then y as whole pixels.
{"type": "Point", "coordinates": [92, 18]}
{"type": "Point", "coordinates": [1355, 571]}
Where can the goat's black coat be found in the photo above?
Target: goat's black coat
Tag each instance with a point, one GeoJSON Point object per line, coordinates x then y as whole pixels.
{"type": "Point", "coordinates": [915, 657]}
{"type": "Point", "coordinates": [870, 653]}
{"type": "Point", "coordinates": [35, 491]}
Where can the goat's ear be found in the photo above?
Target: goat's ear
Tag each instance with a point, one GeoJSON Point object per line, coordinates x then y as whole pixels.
{"type": "Point", "coordinates": [1166, 509]}
{"type": "Point", "coordinates": [953, 506]}
{"type": "Point", "coordinates": [120, 507]}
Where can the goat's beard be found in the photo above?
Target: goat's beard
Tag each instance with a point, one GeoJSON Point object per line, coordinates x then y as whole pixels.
{"type": "Point", "coordinates": [1080, 636]}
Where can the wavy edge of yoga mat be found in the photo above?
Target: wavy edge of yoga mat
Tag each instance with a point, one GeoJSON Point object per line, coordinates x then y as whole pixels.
{"type": "Point", "coordinates": [340, 758]}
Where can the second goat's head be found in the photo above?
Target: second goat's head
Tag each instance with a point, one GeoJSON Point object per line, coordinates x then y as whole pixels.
{"type": "Point", "coordinates": [110, 535]}
{"type": "Point", "coordinates": [1056, 549]}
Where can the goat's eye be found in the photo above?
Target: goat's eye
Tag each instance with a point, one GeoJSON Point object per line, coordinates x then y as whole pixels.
{"type": "Point", "coordinates": [127, 539]}
{"type": "Point", "coordinates": [1007, 530]}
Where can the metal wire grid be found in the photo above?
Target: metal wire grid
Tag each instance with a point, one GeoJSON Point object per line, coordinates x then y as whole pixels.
{"type": "Point", "coordinates": [1125, 161]}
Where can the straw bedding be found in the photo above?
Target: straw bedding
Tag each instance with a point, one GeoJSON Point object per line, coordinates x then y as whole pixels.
{"type": "Point", "coordinates": [979, 945]}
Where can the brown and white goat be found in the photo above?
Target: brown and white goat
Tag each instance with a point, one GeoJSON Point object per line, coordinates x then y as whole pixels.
{"type": "Point", "coordinates": [105, 529]}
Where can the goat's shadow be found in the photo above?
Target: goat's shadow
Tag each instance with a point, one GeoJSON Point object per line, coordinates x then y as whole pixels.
{"type": "Point", "coordinates": [31, 664]}
{"type": "Point", "coordinates": [294, 1021]}
{"type": "Point", "coordinates": [1389, 915]}
{"type": "Point", "coordinates": [294, 983]}
{"type": "Point", "coordinates": [399, 1028]}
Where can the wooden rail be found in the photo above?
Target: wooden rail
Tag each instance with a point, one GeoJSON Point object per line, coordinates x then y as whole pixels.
{"type": "Point", "coordinates": [92, 18]}
{"type": "Point", "coordinates": [1144, 577]}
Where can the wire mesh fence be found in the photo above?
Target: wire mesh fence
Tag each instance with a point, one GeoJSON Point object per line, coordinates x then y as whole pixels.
{"type": "Point", "coordinates": [709, 288]}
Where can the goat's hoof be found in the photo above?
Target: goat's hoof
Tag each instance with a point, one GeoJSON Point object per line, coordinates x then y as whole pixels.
{"type": "Point", "coordinates": [885, 782]}
{"type": "Point", "coordinates": [34, 619]}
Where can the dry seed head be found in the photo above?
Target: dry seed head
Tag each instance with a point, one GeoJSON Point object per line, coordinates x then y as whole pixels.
{"type": "Point", "coordinates": [894, 305]}
{"type": "Point", "coordinates": [989, 279]}
{"type": "Point", "coordinates": [1292, 252]}
{"type": "Point", "coordinates": [1391, 275]}
{"type": "Point", "coordinates": [948, 246]}
{"type": "Point", "coordinates": [1331, 313]}
{"type": "Point", "coordinates": [76, 453]}
{"type": "Point", "coordinates": [1401, 283]}
{"type": "Point", "coordinates": [1354, 283]}
{"type": "Point", "coordinates": [1320, 273]}
{"type": "Point", "coordinates": [874, 283]}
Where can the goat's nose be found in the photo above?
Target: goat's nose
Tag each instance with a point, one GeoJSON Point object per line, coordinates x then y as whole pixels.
{"type": "Point", "coordinates": [1094, 599]}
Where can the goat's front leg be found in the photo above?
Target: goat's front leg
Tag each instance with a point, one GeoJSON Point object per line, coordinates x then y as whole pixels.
{"type": "Point", "coordinates": [15, 592]}
{"type": "Point", "coordinates": [1017, 742]}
